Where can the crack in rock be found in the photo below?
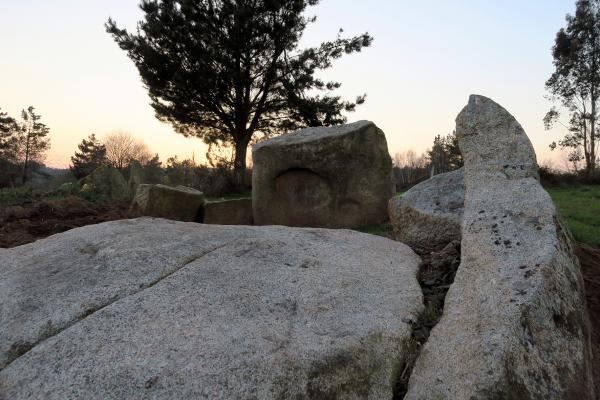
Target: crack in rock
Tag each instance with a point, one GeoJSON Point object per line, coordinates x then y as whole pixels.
{"type": "Point", "coordinates": [435, 276]}
{"type": "Point", "coordinates": [21, 348]}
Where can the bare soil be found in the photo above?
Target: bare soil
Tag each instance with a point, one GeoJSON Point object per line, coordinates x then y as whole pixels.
{"type": "Point", "coordinates": [590, 267]}
{"type": "Point", "coordinates": [29, 222]}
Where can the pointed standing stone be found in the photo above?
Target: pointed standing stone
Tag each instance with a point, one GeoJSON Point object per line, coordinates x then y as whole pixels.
{"type": "Point", "coordinates": [514, 324]}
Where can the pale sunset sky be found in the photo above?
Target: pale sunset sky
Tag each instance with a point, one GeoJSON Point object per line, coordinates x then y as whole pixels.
{"type": "Point", "coordinates": [426, 59]}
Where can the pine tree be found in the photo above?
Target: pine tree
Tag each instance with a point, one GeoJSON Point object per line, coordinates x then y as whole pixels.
{"type": "Point", "coordinates": [445, 154]}
{"type": "Point", "coordinates": [229, 71]}
{"type": "Point", "coordinates": [437, 156]}
{"type": "Point", "coordinates": [32, 140]}
{"type": "Point", "coordinates": [8, 150]}
{"type": "Point", "coordinates": [153, 171]}
{"type": "Point", "coordinates": [455, 158]}
{"type": "Point", "coordinates": [8, 139]}
{"type": "Point", "coordinates": [575, 83]}
{"type": "Point", "coordinates": [90, 156]}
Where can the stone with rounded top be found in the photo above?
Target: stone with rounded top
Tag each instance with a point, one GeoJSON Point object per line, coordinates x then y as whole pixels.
{"type": "Point", "coordinates": [427, 217]}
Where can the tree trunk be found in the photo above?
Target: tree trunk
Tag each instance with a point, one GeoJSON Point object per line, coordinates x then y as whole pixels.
{"type": "Point", "coordinates": [592, 155]}
{"type": "Point", "coordinates": [592, 161]}
{"type": "Point", "coordinates": [239, 165]}
{"type": "Point", "coordinates": [25, 165]}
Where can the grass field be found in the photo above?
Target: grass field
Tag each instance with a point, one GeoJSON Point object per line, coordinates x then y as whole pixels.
{"type": "Point", "coordinates": [580, 205]}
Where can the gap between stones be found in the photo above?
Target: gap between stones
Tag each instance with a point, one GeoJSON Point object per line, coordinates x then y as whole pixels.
{"type": "Point", "coordinates": [436, 275]}
{"type": "Point", "coordinates": [20, 349]}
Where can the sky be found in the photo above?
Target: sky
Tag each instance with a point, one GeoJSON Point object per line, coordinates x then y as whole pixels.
{"type": "Point", "coordinates": [426, 59]}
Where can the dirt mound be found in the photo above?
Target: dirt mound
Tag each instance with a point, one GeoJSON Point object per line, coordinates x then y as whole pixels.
{"type": "Point", "coordinates": [24, 224]}
{"type": "Point", "coordinates": [590, 268]}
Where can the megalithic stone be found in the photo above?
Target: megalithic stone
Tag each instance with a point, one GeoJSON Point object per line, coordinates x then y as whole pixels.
{"type": "Point", "coordinates": [324, 177]}
{"type": "Point", "coordinates": [514, 324]}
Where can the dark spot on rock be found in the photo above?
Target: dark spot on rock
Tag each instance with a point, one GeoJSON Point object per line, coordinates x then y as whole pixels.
{"type": "Point", "coordinates": [89, 249]}
{"type": "Point", "coordinates": [151, 382]}
{"type": "Point", "coordinates": [506, 242]}
{"type": "Point", "coordinates": [497, 243]}
{"type": "Point", "coordinates": [571, 322]}
{"type": "Point", "coordinates": [521, 292]}
{"type": "Point", "coordinates": [482, 211]}
{"type": "Point", "coordinates": [559, 321]}
{"type": "Point", "coordinates": [495, 226]}
{"type": "Point", "coordinates": [529, 274]}
{"type": "Point", "coordinates": [523, 267]}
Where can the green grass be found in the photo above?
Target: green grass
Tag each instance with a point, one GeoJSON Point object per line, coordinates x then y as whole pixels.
{"type": "Point", "coordinates": [16, 196]}
{"type": "Point", "coordinates": [580, 206]}
{"type": "Point", "coordinates": [379, 230]}
{"type": "Point", "coordinates": [23, 195]}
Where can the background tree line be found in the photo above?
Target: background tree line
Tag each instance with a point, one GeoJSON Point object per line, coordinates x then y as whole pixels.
{"type": "Point", "coordinates": [117, 149]}
{"type": "Point", "coordinates": [443, 156]}
{"type": "Point", "coordinates": [120, 150]}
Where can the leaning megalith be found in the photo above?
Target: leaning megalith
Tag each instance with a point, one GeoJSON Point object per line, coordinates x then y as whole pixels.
{"type": "Point", "coordinates": [334, 177]}
{"type": "Point", "coordinates": [178, 203]}
{"type": "Point", "coordinates": [158, 309]}
{"type": "Point", "coordinates": [514, 324]}
{"type": "Point", "coordinates": [427, 217]}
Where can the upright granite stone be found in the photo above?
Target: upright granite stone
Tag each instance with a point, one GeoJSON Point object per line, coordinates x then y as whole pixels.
{"type": "Point", "coordinates": [335, 177]}
{"type": "Point", "coordinates": [428, 216]}
{"type": "Point", "coordinates": [514, 324]}
{"type": "Point", "coordinates": [177, 203]}
{"type": "Point", "coordinates": [136, 176]}
{"type": "Point", "coordinates": [157, 309]}
{"type": "Point", "coordinates": [107, 183]}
